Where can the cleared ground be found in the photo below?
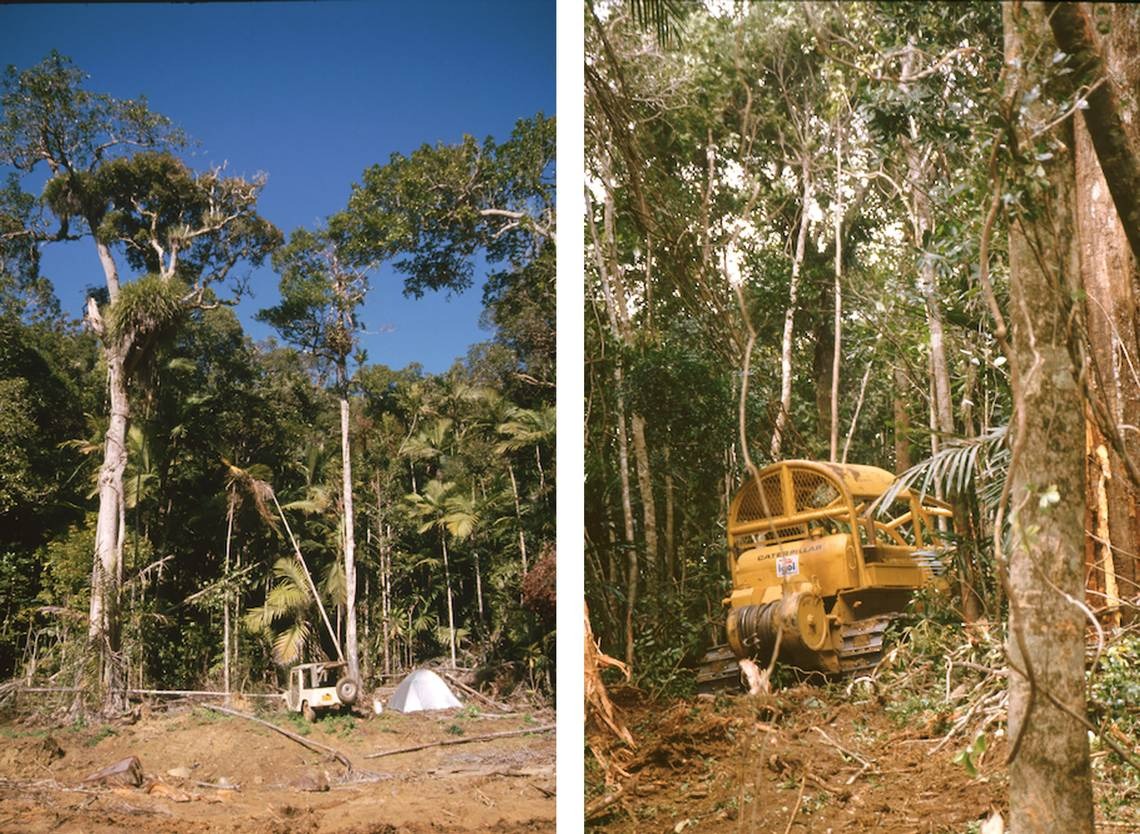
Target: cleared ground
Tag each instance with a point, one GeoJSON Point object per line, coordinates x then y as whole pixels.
{"type": "Point", "coordinates": [501, 785]}
{"type": "Point", "coordinates": [803, 760]}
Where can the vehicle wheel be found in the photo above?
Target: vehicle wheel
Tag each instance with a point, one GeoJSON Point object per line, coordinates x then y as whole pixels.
{"type": "Point", "coordinates": [347, 689]}
{"type": "Point", "coordinates": [309, 713]}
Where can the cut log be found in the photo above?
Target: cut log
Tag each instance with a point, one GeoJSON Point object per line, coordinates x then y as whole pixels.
{"type": "Point", "coordinates": [476, 694]}
{"type": "Point", "coordinates": [126, 771]}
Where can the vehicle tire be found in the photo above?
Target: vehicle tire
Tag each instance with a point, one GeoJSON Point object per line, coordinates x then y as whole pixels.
{"type": "Point", "coordinates": [347, 689]}
{"type": "Point", "coordinates": [309, 713]}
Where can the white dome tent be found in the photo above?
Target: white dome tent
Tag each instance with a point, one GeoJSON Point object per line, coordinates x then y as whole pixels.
{"type": "Point", "coordinates": [422, 690]}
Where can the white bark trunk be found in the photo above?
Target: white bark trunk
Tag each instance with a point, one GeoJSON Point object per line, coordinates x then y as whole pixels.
{"type": "Point", "coordinates": [351, 650]}
{"type": "Point", "coordinates": [518, 516]}
{"type": "Point", "coordinates": [450, 609]}
{"type": "Point", "coordinates": [782, 418]}
{"type": "Point", "coordinates": [103, 626]}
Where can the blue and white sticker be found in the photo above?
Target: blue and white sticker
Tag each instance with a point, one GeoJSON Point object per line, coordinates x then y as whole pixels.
{"type": "Point", "coordinates": [787, 565]}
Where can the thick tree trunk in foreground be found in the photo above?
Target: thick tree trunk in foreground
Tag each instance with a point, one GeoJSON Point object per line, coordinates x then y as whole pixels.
{"type": "Point", "coordinates": [103, 626]}
{"type": "Point", "coordinates": [104, 634]}
{"type": "Point", "coordinates": [1050, 787]}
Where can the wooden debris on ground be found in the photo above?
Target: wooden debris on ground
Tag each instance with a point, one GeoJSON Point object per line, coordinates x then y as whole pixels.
{"type": "Point", "coordinates": [598, 703]}
{"type": "Point", "coordinates": [315, 746]}
{"type": "Point", "coordinates": [468, 740]}
{"type": "Point", "coordinates": [126, 771]}
{"type": "Point", "coordinates": [474, 693]}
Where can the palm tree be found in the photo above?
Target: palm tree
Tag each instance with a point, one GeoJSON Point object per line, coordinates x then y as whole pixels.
{"type": "Point", "coordinates": [529, 427]}
{"type": "Point", "coordinates": [241, 485]}
{"type": "Point", "coordinates": [289, 603]}
{"type": "Point", "coordinates": [522, 427]}
{"type": "Point", "coordinates": [429, 444]}
{"type": "Point", "coordinates": [448, 513]}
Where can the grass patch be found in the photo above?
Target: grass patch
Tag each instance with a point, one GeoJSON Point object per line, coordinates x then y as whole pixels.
{"type": "Point", "coordinates": [106, 731]}
{"type": "Point", "coordinates": [297, 723]}
{"type": "Point", "coordinates": [342, 725]}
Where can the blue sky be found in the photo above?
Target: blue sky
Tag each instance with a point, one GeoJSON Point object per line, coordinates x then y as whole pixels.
{"type": "Point", "coordinates": [310, 93]}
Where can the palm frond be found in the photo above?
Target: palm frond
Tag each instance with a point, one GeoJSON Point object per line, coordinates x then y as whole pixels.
{"type": "Point", "coordinates": [663, 17]}
{"type": "Point", "coordinates": [258, 619]}
{"type": "Point", "coordinates": [956, 467]}
{"type": "Point", "coordinates": [290, 570]}
{"type": "Point", "coordinates": [284, 599]}
{"type": "Point", "coordinates": [288, 644]}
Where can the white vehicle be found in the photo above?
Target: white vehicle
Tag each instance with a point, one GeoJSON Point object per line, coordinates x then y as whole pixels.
{"type": "Point", "coordinates": [315, 686]}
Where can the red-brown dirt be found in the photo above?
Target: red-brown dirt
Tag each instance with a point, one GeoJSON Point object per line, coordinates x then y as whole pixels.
{"type": "Point", "coordinates": [803, 756]}
{"type": "Point", "coordinates": [501, 785]}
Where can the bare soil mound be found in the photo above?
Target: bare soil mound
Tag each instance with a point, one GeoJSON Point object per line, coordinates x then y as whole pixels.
{"type": "Point", "coordinates": [204, 772]}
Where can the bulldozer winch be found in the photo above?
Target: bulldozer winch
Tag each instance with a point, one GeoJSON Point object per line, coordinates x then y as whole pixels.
{"type": "Point", "coordinates": [819, 567]}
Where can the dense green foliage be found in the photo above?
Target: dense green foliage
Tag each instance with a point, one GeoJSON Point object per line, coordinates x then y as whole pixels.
{"type": "Point", "coordinates": [229, 439]}
{"type": "Point", "coordinates": [699, 156]}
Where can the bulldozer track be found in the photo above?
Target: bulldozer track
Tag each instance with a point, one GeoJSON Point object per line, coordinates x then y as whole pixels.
{"type": "Point", "coordinates": [860, 649]}
{"type": "Point", "coordinates": [862, 644]}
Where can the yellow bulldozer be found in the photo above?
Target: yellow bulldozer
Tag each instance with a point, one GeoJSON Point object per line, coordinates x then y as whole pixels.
{"type": "Point", "coordinates": [820, 566]}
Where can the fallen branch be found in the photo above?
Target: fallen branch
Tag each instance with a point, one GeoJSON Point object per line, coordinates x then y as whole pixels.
{"type": "Point", "coordinates": [799, 801]}
{"type": "Point", "coordinates": [485, 737]}
{"type": "Point", "coordinates": [218, 786]}
{"type": "Point", "coordinates": [203, 693]}
{"type": "Point", "coordinates": [848, 753]}
{"type": "Point", "coordinates": [476, 694]}
{"type": "Point", "coordinates": [595, 807]}
{"type": "Point", "coordinates": [315, 746]}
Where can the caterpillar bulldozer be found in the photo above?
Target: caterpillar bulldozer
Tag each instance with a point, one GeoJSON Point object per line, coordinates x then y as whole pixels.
{"type": "Point", "coordinates": [820, 567]}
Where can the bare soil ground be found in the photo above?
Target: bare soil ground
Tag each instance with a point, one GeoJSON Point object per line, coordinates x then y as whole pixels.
{"type": "Point", "coordinates": [802, 760]}
{"type": "Point", "coordinates": [809, 759]}
{"type": "Point", "coordinates": [502, 785]}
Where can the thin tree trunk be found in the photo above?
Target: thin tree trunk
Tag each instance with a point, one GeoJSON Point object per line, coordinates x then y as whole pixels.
{"type": "Point", "coordinates": [837, 351]}
{"type": "Point", "coordinates": [783, 416]}
{"type": "Point", "coordinates": [902, 421]}
{"type": "Point", "coordinates": [645, 488]}
{"type": "Point", "coordinates": [450, 609]}
{"type": "Point", "coordinates": [479, 586]}
{"type": "Point", "coordinates": [858, 408]}
{"type": "Point", "coordinates": [627, 516]}
{"type": "Point", "coordinates": [1049, 777]}
{"type": "Point", "coordinates": [518, 515]}
{"type": "Point", "coordinates": [380, 550]}
{"type": "Point", "coordinates": [226, 599]}
{"type": "Point", "coordinates": [670, 531]}
{"type": "Point", "coordinates": [603, 256]}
